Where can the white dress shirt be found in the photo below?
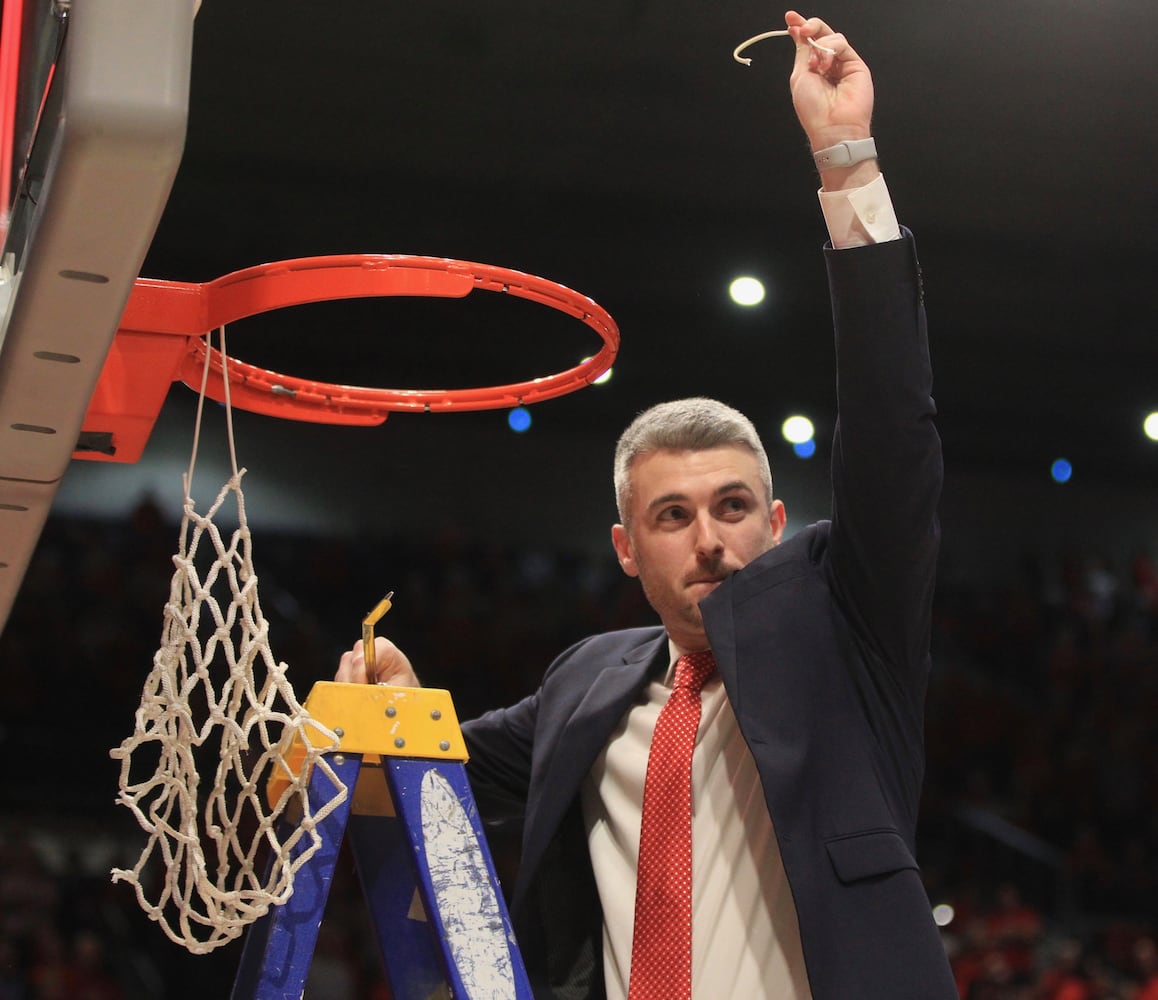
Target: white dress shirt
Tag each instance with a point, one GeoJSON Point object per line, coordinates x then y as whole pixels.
{"type": "Point", "coordinates": [745, 938]}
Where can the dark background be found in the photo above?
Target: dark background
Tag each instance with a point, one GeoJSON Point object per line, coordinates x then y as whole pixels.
{"type": "Point", "coordinates": [619, 150]}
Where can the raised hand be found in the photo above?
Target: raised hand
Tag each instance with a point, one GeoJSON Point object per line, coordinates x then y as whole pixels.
{"type": "Point", "coordinates": [832, 88]}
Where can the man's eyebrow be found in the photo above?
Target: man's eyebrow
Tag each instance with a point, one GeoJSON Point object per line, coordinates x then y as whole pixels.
{"type": "Point", "coordinates": [736, 486]}
{"type": "Point", "coordinates": [667, 498]}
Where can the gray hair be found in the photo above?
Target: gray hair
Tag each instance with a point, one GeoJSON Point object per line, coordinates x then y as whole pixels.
{"type": "Point", "coordinates": [694, 424]}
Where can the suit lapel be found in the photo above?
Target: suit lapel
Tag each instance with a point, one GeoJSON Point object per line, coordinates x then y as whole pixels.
{"type": "Point", "coordinates": [763, 572]}
{"type": "Point", "coordinates": [582, 738]}
{"type": "Point", "coordinates": [607, 699]}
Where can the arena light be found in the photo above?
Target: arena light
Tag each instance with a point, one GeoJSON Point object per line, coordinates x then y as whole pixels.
{"type": "Point", "coordinates": [1150, 426]}
{"type": "Point", "coordinates": [1061, 471]}
{"type": "Point", "coordinates": [601, 379]}
{"type": "Point", "coordinates": [943, 914]}
{"type": "Point", "coordinates": [797, 429]}
{"type": "Point", "coordinates": [746, 291]}
{"type": "Point", "coordinates": [519, 419]}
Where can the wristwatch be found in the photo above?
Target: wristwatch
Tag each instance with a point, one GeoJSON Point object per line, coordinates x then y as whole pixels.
{"type": "Point", "coordinates": [845, 154]}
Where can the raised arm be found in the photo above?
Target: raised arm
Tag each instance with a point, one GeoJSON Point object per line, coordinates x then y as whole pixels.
{"type": "Point", "coordinates": [886, 463]}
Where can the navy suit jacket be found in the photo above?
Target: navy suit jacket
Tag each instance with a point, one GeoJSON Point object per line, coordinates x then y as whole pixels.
{"type": "Point", "coordinates": [823, 647]}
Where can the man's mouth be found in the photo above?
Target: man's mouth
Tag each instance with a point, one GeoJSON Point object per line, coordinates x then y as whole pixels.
{"type": "Point", "coordinates": [708, 581]}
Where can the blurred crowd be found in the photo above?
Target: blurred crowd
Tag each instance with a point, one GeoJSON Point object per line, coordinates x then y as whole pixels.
{"type": "Point", "coordinates": [1039, 838]}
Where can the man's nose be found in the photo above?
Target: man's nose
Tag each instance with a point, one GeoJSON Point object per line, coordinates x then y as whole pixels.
{"type": "Point", "coordinates": [709, 543]}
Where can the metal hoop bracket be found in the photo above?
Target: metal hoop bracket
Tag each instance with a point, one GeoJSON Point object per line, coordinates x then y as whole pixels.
{"type": "Point", "coordinates": [162, 333]}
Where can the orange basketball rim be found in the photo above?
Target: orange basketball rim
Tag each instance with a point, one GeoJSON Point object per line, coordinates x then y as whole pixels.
{"type": "Point", "coordinates": [162, 339]}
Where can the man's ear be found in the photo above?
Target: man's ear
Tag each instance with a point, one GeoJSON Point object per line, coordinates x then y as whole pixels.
{"type": "Point", "coordinates": [623, 549]}
{"type": "Point", "coordinates": [778, 518]}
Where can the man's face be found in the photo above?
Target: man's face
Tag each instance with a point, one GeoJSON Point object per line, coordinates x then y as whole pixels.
{"type": "Point", "coordinates": [696, 517]}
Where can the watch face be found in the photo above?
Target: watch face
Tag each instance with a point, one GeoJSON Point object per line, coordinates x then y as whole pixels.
{"type": "Point", "coordinates": [844, 154]}
{"type": "Point", "coordinates": [834, 156]}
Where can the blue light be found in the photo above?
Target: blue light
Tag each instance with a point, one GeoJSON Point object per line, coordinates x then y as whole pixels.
{"type": "Point", "coordinates": [805, 449]}
{"type": "Point", "coordinates": [1061, 470]}
{"type": "Point", "coordinates": [519, 419]}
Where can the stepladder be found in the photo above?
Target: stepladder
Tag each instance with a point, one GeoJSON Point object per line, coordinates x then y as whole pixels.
{"type": "Point", "coordinates": [410, 823]}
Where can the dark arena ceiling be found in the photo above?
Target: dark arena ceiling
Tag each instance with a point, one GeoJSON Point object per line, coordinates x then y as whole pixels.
{"type": "Point", "coordinates": [620, 150]}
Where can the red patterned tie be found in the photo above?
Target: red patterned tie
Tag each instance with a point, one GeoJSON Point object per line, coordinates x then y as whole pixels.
{"type": "Point", "coordinates": [661, 947]}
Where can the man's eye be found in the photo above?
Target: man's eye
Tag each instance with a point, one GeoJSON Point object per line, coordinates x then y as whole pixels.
{"type": "Point", "coordinates": [734, 505]}
{"type": "Point", "coordinates": [672, 514]}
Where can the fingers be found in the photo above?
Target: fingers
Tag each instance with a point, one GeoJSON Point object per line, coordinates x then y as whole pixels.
{"type": "Point", "coordinates": [821, 56]}
{"type": "Point", "coordinates": [391, 665]}
{"type": "Point", "coordinates": [802, 28]}
{"type": "Point", "coordinates": [818, 47]}
{"type": "Point", "coordinates": [352, 666]}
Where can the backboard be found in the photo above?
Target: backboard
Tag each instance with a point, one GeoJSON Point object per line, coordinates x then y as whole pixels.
{"type": "Point", "coordinates": [93, 108]}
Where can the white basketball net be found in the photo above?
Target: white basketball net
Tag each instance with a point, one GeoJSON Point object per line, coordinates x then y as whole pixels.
{"type": "Point", "coordinates": [217, 700]}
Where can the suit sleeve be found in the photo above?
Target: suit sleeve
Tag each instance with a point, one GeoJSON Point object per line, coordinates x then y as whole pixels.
{"type": "Point", "coordinates": [499, 769]}
{"type": "Point", "coordinates": [886, 464]}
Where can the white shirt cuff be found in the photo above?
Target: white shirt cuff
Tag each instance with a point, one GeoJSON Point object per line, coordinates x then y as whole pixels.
{"type": "Point", "coordinates": [860, 216]}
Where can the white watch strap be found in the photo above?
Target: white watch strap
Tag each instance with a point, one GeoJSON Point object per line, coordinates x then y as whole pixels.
{"type": "Point", "coordinates": [845, 154]}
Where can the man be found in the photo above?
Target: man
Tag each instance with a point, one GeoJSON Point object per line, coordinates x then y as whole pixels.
{"type": "Point", "coordinates": [808, 759]}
